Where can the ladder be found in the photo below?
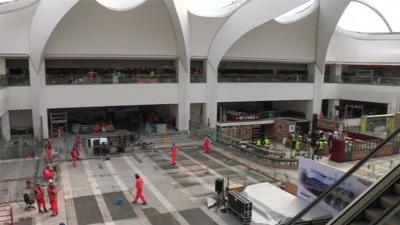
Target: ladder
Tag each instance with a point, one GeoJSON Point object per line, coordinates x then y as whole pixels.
{"type": "Point", "coordinates": [57, 119]}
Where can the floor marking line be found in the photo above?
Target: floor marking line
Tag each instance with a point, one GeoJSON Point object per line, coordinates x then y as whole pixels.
{"type": "Point", "coordinates": [157, 193]}
{"type": "Point", "coordinates": [97, 193]}
{"type": "Point", "coordinates": [125, 191]}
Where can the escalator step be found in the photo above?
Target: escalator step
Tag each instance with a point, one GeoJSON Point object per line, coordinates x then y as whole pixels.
{"type": "Point", "coordinates": [388, 200]}
{"type": "Point", "coordinates": [395, 220]}
{"type": "Point", "coordinates": [359, 223]}
{"type": "Point", "coordinates": [373, 213]}
{"type": "Point", "coordinates": [397, 188]}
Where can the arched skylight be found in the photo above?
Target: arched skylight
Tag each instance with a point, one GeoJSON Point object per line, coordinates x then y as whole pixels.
{"type": "Point", "coordinates": [298, 13]}
{"type": "Point", "coordinates": [371, 16]}
{"type": "Point", "coordinates": [121, 5]}
{"type": "Point", "coordinates": [213, 8]}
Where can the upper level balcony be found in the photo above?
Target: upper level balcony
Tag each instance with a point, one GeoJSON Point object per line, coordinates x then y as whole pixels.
{"type": "Point", "coordinates": [109, 71]}
{"type": "Point", "coordinates": [363, 74]}
{"type": "Point", "coordinates": [258, 72]}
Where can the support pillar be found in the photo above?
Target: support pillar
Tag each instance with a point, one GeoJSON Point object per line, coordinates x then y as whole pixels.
{"type": "Point", "coordinates": [38, 100]}
{"type": "Point", "coordinates": [5, 119]}
{"type": "Point", "coordinates": [332, 112]}
{"type": "Point", "coordinates": [317, 89]}
{"type": "Point", "coordinates": [211, 95]}
{"type": "Point", "coordinates": [183, 101]}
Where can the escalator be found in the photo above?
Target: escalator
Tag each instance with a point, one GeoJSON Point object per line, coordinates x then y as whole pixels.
{"type": "Point", "coordinates": [379, 204]}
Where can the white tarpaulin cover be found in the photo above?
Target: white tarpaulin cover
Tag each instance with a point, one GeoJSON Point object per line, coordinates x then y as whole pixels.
{"type": "Point", "coordinates": [272, 205]}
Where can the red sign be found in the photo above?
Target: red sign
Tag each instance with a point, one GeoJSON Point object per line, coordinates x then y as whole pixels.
{"type": "Point", "coordinates": [247, 117]}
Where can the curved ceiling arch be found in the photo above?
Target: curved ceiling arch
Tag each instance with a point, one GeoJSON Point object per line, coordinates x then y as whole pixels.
{"type": "Point", "coordinates": [251, 15]}
{"type": "Point", "coordinates": [47, 16]}
{"type": "Point", "coordinates": [180, 20]}
{"type": "Point", "coordinates": [213, 8]}
{"type": "Point", "coordinates": [298, 13]}
{"type": "Point", "coordinates": [7, 6]}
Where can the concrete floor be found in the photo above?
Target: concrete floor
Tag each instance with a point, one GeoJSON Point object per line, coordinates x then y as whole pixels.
{"type": "Point", "coordinates": [176, 195]}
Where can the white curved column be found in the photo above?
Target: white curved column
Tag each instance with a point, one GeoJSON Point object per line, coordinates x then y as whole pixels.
{"type": "Point", "coordinates": [38, 100]}
{"type": "Point", "coordinates": [249, 16]}
{"type": "Point", "coordinates": [48, 14]}
{"type": "Point", "coordinates": [329, 15]}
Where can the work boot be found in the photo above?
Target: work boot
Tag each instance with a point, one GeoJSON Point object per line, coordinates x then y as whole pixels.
{"type": "Point", "coordinates": [45, 210]}
{"type": "Point", "coordinates": [133, 202]}
{"type": "Point", "coordinates": [40, 211]}
{"type": "Point", "coordinates": [144, 203]}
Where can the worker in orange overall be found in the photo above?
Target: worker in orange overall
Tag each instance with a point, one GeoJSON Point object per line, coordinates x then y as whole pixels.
{"type": "Point", "coordinates": [47, 173]}
{"type": "Point", "coordinates": [53, 197]}
{"type": "Point", "coordinates": [49, 153]}
{"type": "Point", "coordinates": [39, 195]}
{"type": "Point", "coordinates": [173, 155]}
{"type": "Point", "coordinates": [74, 156]}
{"type": "Point", "coordinates": [206, 144]}
{"type": "Point", "coordinates": [139, 190]}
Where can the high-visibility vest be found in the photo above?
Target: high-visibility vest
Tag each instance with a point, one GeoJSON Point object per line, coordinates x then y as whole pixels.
{"type": "Point", "coordinates": [267, 141]}
{"type": "Point", "coordinates": [298, 145]}
{"type": "Point", "coordinates": [258, 142]}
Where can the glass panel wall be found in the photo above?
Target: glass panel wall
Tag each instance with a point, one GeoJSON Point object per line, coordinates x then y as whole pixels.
{"type": "Point", "coordinates": [197, 73]}
{"type": "Point", "coordinates": [103, 71]}
{"type": "Point", "coordinates": [263, 72]}
{"type": "Point", "coordinates": [364, 74]}
{"type": "Point", "coordinates": [17, 73]}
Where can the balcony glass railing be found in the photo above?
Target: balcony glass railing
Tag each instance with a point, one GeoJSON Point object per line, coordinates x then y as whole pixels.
{"type": "Point", "coordinates": [370, 80]}
{"type": "Point", "coordinates": [289, 78]}
{"type": "Point", "coordinates": [18, 80]}
{"type": "Point", "coordinates": [77, 79]}
{"type": "Point", "coordinates": [3, 81]}
{"type": "Point", "coordinates": [198, 78]}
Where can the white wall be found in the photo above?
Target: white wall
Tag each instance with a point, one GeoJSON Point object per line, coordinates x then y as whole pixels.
{"type": "Point", "coordinates": [90, 29]}
{"type": "Point", "coordinates": [19, 98]}
{"type": "Point", "coordinates": [14, 30]}
{"type": "Point", "coordinates": [357, 92]}
{"type": "Point", "coordinates": [69, 96]}
{"type": "Point", "coordinates": [347, 49]}
{"type": "Point", "coordinates": [278, 42]}
{"type": "Point", "coordinates": [237, 92]}
{"type": "Point", "coordinates": [203, 30]}
{"type": "Point", "coordinates": [197, 93]}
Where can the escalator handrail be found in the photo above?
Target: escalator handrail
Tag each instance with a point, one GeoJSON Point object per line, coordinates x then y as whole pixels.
{"type": "Point", "coordinates": [294, 219]}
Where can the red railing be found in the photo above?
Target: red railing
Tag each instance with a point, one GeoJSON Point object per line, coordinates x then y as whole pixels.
{"type": "Point", "coordinates": [6, 215]}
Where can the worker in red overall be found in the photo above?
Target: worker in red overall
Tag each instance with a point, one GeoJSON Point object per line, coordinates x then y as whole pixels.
{"type": "Point", "coordinates": [206, 144]}
{"type": "Point", "coordinates": [98, 129]}
{"type": "Point", "coordinates": [47, 173]}
{"type": "Point", "coordinates": [139, 190]}
{"type": "Point", "coordinates": [173, 155]}
{"type": "Point", "coordinates": [49, 153]}
{"type": "Point", "coordinates": [52, 192]}
{"type": "Point", "coordinates": [39, 195]}
{"type": "Point", "coordinates": [74, 156]}
{"type": "Point", "coordinates": [77, 139]}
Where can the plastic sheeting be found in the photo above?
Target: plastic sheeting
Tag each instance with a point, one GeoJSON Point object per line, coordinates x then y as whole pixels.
{"type": "Point", "coordinates": [272, 205]}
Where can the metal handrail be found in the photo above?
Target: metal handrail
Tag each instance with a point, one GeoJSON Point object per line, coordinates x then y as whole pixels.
{"type": "Point", "coordinates": [358, 165]}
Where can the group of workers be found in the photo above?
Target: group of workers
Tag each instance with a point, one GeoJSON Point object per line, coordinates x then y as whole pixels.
{"type": "Point", "coordinates": [48, 179]}
{"type": "Point", "coordinates": [263, 142]}
{"type": "Point", "coordinates": [321, 143]}
{"type": "Point", "coordinates": [52, 194]}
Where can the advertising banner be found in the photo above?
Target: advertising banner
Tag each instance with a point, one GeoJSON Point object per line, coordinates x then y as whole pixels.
{"type": "Point", "coordinates": [315, 178]}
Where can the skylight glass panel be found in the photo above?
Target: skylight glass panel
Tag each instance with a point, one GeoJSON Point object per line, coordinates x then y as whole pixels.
{"type": "Point", "coordinates": [360, 18]}
{"type": "Point", "coordinates": [390, 9]}
{"type": "Point", "coordinates": [121, 5]}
